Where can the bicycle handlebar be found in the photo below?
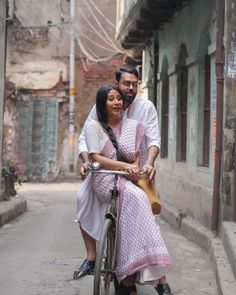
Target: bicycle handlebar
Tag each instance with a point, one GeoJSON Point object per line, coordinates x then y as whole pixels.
{"type": "Point", "coordinates": [96, 169]}
{"type": "Point", "coordinates": [109, 171]}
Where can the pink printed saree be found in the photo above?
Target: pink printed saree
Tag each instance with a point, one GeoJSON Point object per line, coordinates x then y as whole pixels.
{"type": "Point", "coordinates": [141, 248]}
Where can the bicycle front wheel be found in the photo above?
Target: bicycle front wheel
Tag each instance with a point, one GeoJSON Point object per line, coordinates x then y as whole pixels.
{"type": "Point", "coordinates": [105, 260]}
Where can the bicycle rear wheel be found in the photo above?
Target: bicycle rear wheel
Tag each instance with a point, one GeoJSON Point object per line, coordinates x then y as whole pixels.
{"type": "Point", "coordinates": [105, 260]}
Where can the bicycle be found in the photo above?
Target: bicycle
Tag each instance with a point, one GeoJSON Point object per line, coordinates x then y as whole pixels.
{"type": "Point", "coordinates": [104, 272]}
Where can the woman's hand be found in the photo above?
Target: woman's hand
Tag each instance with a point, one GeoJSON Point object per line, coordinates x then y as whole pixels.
{"type": "Point", "coordinates": [133, 171]}
{"type": "Point", "coordinates": [132, 168]}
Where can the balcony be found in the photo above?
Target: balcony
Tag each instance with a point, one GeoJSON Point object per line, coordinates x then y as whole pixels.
{"type": "Point", "coordinates": [138, 19]}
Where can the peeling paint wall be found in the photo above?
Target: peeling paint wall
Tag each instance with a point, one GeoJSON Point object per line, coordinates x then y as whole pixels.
{"type": "Point", "coordinates": [37, 67]}
{"type": "Point", "coordinates": [191, 184]}
{"type": "Point", "coordinates": [33, 69]}
{"type": "Point", "coordinates": [228, 163]}
{"type": "Point", "coordinates": [2, 73]}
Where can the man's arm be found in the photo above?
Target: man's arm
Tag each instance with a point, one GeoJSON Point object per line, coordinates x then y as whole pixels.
{"type": "Point", "coordinates": [84, 156]}
{"type": "Point", "coordinates": [152, 132]}
{"type": "Point", "coordinates": [153, 152]}
{"type": "Point", "coordinates": [153, 140]}
{"type": "Point", "coordinates": [82, 146]}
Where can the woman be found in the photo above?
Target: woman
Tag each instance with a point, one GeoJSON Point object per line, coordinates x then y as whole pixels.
{"type": "Point", "coordinates": [116, 144]}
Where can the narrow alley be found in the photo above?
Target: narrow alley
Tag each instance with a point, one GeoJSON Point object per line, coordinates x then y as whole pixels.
{"type": "Point", "coordinates": [41, 249]}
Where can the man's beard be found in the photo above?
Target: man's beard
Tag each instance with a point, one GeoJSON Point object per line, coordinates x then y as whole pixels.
{"type": "Point", "coordinates": [128, 97]}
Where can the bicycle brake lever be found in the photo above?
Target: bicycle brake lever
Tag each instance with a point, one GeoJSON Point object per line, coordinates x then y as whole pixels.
{"type": "Point", "coordinates": [95, 166]}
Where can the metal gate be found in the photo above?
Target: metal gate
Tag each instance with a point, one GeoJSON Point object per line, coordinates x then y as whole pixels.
{"type": "Point", "coordinates": [38, 130]}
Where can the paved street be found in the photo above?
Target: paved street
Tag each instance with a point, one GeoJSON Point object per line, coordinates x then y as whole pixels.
{"type": "Point", "coordinates": [40, 250]}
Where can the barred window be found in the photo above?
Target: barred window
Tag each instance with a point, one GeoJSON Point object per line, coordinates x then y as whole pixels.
{"type": "Point", "coordinates": [164, 108]}
{"type": "Point", "coordinates": [204, 77]}
{"type": "Point", "coordinates": [182, 106]}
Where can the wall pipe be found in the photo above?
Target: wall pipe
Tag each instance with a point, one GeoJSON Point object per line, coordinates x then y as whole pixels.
{"type": "Point", "coordinates": [72, 85]}
{"type": "Point", "coordinates": [220, 14]}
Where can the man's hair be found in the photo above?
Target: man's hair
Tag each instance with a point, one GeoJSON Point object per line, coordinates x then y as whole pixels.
{"type": "Point", "coordinates": [129, 70]}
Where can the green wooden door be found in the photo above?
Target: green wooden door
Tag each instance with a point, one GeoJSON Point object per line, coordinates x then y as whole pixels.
{"type": "Point", "coordinates": [38, 137]}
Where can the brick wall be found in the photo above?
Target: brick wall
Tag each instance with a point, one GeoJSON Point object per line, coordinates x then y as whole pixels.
{"type": "Point", "coordinates": [88, 82]}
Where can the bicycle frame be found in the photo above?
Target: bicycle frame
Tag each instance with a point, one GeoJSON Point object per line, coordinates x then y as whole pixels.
{"type": "Point", "coordinates": [105, 268]}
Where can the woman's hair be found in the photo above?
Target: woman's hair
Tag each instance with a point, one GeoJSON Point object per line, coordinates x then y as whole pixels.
{"type": "Point", "coordinates": [101, 109]}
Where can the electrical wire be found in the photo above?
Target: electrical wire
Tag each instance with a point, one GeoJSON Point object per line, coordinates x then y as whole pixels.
{"type": "Point", "coordinates": [59, 8]}
{"type": "Point", "coordinates": [102, 14]}
{"type": "Point", "coordinates": [106, 42]}
{"type": "Point", "coordinates": [95, 43]}
{"type": "Point", "coordinates": [83, 63]}
{"type": "Point", "coordinates": [119, 50]}
{"type": "Point", "coordinates": [102, 28]}
{"type": "Point", "coordinates": [93, 28]}
{"type": "Point", "coordinates": [89, 56]}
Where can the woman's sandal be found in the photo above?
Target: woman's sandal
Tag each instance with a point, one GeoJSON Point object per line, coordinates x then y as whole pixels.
{"type": "Point", "coordinates": [126, 290]}
{"type": "Point", "coordinates": [86, 268]}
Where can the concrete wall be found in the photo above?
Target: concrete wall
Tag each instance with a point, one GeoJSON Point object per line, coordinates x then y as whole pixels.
{"type": "Point", "coordinates": [2, 71]}
{"type": "Point", "coordinates": [187, 185]}
{"type": "Point", "coordinates": [228, 163]}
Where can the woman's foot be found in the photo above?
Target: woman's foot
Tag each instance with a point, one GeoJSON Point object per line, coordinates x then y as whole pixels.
{"type": "Point", "coordinates": [86, 268]}
{"type": "Point", "coordinates": [163, 289]}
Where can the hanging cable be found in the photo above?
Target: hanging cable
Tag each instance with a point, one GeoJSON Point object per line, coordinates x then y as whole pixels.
{"type": "Point", "coordinates": [102, 14]}
{"type": "Point", "coordinates": [83, 63]}
{"type": "Point", "coordinates": [95, 43]}
{"type": "Point", "coordinates": [92, 58]}
{"type": "Point", "coordinates": [100, 26]}
{"type": "Point", "coordinates": [95, 29]}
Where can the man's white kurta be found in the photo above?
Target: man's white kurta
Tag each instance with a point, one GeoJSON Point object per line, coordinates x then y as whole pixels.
{"type": "Point", "coordinates": [142, 110]}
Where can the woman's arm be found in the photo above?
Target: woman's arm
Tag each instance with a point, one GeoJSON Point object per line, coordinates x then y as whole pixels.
{"type": "Point", "coordinates": [113, 164]}
{"type": "Point", "coordinates": [137, 159]}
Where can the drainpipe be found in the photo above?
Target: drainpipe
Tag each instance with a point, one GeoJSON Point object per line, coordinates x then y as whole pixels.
{"type": "Point", "coordinates": [72, 85]}
{"type": "Point", "coordinates": [220, 13]}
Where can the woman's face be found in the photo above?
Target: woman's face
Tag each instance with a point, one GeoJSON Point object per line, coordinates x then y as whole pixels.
{"type": "Point", "coordinates": [114, 103]}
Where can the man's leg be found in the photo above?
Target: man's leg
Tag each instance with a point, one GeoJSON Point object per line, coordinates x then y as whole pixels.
{"type": "Point", "coordinates": [163, 287]}
{"type": "Point", "coordinates": [89, 263]}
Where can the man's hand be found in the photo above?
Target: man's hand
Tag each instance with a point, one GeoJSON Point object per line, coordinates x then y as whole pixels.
{"type": "Point", "coordinates": [84, 170]}
{"type": "Point", "coordinates": [150, 171]}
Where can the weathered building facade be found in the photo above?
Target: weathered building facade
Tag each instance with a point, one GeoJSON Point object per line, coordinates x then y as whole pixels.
{"type": "Point", "coordinates": [37, 98]}
{"type": "Point", "coordinates": [191, 79]}
{"type": "Point", "coordinates": [2, 73]}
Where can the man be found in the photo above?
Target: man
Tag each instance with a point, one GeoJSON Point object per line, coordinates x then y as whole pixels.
{"type": "Point", "coordinates": [144, 111]}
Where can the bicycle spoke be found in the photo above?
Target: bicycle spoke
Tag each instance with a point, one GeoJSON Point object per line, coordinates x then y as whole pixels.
{"type": "Point", "coordinates": [104, 267]}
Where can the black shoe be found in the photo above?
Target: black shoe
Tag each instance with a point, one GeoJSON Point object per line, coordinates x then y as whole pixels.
{"type": "Point", "coordinates": [117, 286]}
{"type": "Point", "coordinates": [86, 268]}
{"type": "Point", "coordinates": [126, 290]}
{"type": "Point", "coordinates": [163, 289]}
